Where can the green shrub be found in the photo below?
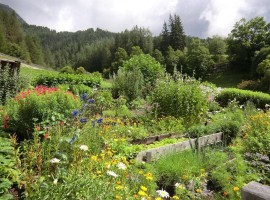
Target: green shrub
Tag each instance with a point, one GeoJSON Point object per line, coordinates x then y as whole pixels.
{"type": "Point", "coordinates": [51, 80]}
{"type": "Point", "coordinates": [257, 134]}
{"type": "Point", "coordinates": [249, 85]}
{"type": "Point", "coordinates": [9, 173]}
{"type": "Point", "coordinates": [150, 68]}
{"type": "Point", "coordinates": [80, 70]}
{"type": "Point", "coordinates": [79, 89]}
{"type": "Point", "coordinates": [35, 106]}
{"type": "Point", "coordinates": [67, 69]}
{"type": "Point", "coordinates": [180, 99]}
{"type": "Point", "coordinates": [243, 96]}
{"type": "Point", "coordinates": [128, 83]}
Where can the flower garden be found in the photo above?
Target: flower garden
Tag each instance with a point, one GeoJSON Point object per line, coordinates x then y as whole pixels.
{"type": "Point", "coordinates": [72, 138]}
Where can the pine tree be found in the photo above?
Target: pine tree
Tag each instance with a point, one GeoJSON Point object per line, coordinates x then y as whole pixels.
{"type": "Point", "coordinates": [177, 35]}
{"type": "Point", "coordinates": [165, 38]}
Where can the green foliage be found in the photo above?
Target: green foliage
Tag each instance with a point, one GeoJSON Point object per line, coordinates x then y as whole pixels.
{"type": "Point", "coordinates": [245, 39]}
{"type": "Point", "coordinates": [128, 83]}
{"type": "Point", "coordinates": [80, 70]}
{"type": "Point", "coordinates": [9, 173]}
{"type": "Point", "coordinates": [199, 60]}
{"type": "Point", "coordinates": [9, 82]}
{"type": "Point", "coordinates": [175, 59]}
{"type": "Point", "coordinates": [256, 134]}
{"type": "Point", "coordinates": [181, 98]}
{"type": "Point", "coordinates": [67, 69]}
{"type": "Point", "coordinates": [56, 79]}
{"type": "Point", "coordinates": [35, 106]}
{"type": "Point", "coordinates": [120, 57]}
{"type": "Point", "coordinates": [242, 97]}
{"type": "Point", "coordinates": [148, 66]}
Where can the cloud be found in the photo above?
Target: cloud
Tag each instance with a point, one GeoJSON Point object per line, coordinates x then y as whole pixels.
{"type": "Point", "coordinates": [200, 18]}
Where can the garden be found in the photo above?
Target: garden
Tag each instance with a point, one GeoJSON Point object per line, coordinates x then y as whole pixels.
{"type": "Point", "coordinates": [77, 136]}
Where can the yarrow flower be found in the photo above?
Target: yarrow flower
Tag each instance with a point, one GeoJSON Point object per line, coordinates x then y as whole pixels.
{"type": "Point", "coordinates": [55, 160]}
{"type": "Point", "coordinates": [111, 173]}
{"type": "Point", "coordinates": [84, 147]}
{"type": "Point", "coordinates": [121, 166]}
{"type": "Point", "coordinates": [163, 193]}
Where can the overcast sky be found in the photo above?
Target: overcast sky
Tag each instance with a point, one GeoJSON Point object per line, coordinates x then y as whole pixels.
{"type": "Point", "coordinates": [200, 18]}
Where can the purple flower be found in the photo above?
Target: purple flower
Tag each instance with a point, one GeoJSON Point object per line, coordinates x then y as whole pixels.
{"type": "Point", "coordinates": [83, 120]}
{"type": "Point", "coordinates": [75, 113]}
{"type": "Point", "coordinates": [91, 101]}
{"type": "Point", "coordinates": [84, 96]}
{"type": "Point", "coordinates": [99, 121]}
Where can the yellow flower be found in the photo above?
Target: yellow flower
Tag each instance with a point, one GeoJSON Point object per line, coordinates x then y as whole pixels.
{"type": "Point", "coordinates": [236, 188]}
{"type": "Point", "coordinates": [143, 188]}
{"type": "Point", "coordinates": [118, 182]}
{"type": "Point", "coordinates": [94, 158]}
{"type": "Point", "coordinates": [140, 172]}
{"type": "Point", "coordinates": [158, 198]}
{"type": "Point", "coordinates": [199, 191]}
{"type": "Point", "coordinates": [175, 197]}
{"type": "Point", "coordinates": [142, 193]}
{"type": "Point", "coordinates": [117, 197]}
{"type": "Point", "coordinates": [99, 172]}
{"type": "Point", "coordinates": [149, 176]}
{"type": "Point", "coordinates": [184, 177]}
{"type": "Point", "coordinates": [119, 187]}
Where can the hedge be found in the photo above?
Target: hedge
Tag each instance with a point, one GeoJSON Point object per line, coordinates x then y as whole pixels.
{"type": "Point", "coordinates": [243, 96]}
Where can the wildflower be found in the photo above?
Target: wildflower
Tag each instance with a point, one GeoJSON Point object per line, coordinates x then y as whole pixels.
{"type": "Point", "coordinates": [84, 96]}
{"type": "Point", "coordinates": [199, 191]}
{"type": "Point", "coordinates": [184, 177]}
{"type": "Point", "coordinates": [75, 113]}
{"type": "Point", "coordinates": [142, 193]}
{"type": "Point", "coordinates": [55, 160]}
{"type": "Point", "coordinates": [111, 173]}
{"type": "Point", "coordinates": [91, 101]}
{"type": "Point", "coordinates": [99, 121]}
{"type": "Point", "coordinates": [55, 181]}
{"type": "Point", "coordinates": [84, 147]}
{"type": "Point", "coordinates": [46, 135]}
{"type": "Point", "coordinates": [177, 184]}
{"type": "Point", "coordinates": [143, 188]}
{"type": "Point", "coordinates": [117, 197]}
{"type": "Point", "coordinates": [83, 120]}
{"type": "Point", "coordinates": [38, 128]}
{"type": "Point", "coordinates": [175, 197]}
{"type": "Point", "coordinates": [119, 187]}
{"type": "Point", "coordinates": [163, 193]}
{"type": "Point", "coordinates": [121, 166]}
{"type": "Point", "coordinates": [225, 193]}
{"type": "Point", "coordinates": [158, 198]}
{"type": "Point", "coordinates": [149, 176]}
{"type": "Point", "coordinates": [236, 189]}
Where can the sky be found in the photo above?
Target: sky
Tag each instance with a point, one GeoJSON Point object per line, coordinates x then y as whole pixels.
{"type": "Point", "coordinates": [200, 18]}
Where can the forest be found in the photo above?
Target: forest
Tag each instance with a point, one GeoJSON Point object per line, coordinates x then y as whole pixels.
{"type": "Point", "coordinates": [245, 50]}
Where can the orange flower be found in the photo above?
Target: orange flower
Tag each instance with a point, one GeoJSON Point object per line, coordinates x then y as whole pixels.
{"type": "Point", "coordinates": [225, 193]}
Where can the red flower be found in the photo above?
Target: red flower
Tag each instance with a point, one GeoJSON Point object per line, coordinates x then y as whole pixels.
{"type": "Point", "coordinates": [46, 135]}
{"type": "Point", "coordinates": [38, 128]}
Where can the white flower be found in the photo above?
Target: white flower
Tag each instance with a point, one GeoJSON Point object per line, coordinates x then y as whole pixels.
{"type": "Point", "coordinates": [84, 147]}
{"type": "Point", "coordinates": [267, 106]}
{"type": "Point", "coordinates": [163, 193]}
{"type": "Point", "coordinates": [177, 184]}
{"type": "Point", "coordinates": [111, 173]}
{"type": "Point", "coordinates": [121, 166]}
{"type": "Point", "coordinates": [55, 181]}
{"type": "Point", "coordinates": [55, 160]}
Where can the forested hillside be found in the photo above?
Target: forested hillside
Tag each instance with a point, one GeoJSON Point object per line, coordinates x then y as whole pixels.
{"type": "Point", "coordinates": [245, 50]}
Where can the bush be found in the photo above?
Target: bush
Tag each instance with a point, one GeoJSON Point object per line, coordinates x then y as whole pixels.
{"type": "Point", "coordinates": [249, 85]}
{"type": "Point", "coordinates": [128, 83]}
{"type": "Point", "coordinates": [9, 174]}
{"type": "Point", "coordinates": [242, 97]}
{"type": "Point", "coordinates": [80, 70]}
{"type": "Point", "coordinates": [149, 67]}
{"type": "Point", "coordinates": [257, 134]}
{"type": "Point", "coordinates": [51, 80]}
{"type": "Point", "coordinates": [35, 106]}
{"type": "Point", "coordinates": [67, 69]}
{"type": "Point", "coordinates": [180, 99]}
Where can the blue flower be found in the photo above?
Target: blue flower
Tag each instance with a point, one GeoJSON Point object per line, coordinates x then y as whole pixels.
{"type": "Point", "coordinates": [84, 96]}
{"type": "Point", "coordinates": [99, 121]}
{"type": "Point", "coordinates": [73, 139]}
{"type": "Point", "coordinates": [83, 120]}
{"type": "Point", "coordinates": [75, 113]}
{"type": "Point", "coordinates": [91, 101]}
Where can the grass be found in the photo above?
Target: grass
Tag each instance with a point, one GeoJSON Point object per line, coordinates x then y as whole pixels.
{"type": "Point", "coordinates": [229, 79]}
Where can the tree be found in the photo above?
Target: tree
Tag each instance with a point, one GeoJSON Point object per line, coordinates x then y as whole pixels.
{"type": "Point", "coordinates": [135, 51]}
{"type": "Point", "coordinates": [158, 56]}
{"type": "Point", "coordinates": [165, 39]}
{"type": "Point", "coordinates": [175, 59]}
{"type": "Point", "coordinates": [177, 35]}
{"type": "Point", "coordinates": [34, 49]}
{"type": "Point", "coordinates": [217, 47]}
{"type": "Point", "coordinates": [245, 39]}
{"type": "Point", "coordinates": [199, 59]}
{"type": "Point", "coordinates": [119, 57]}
